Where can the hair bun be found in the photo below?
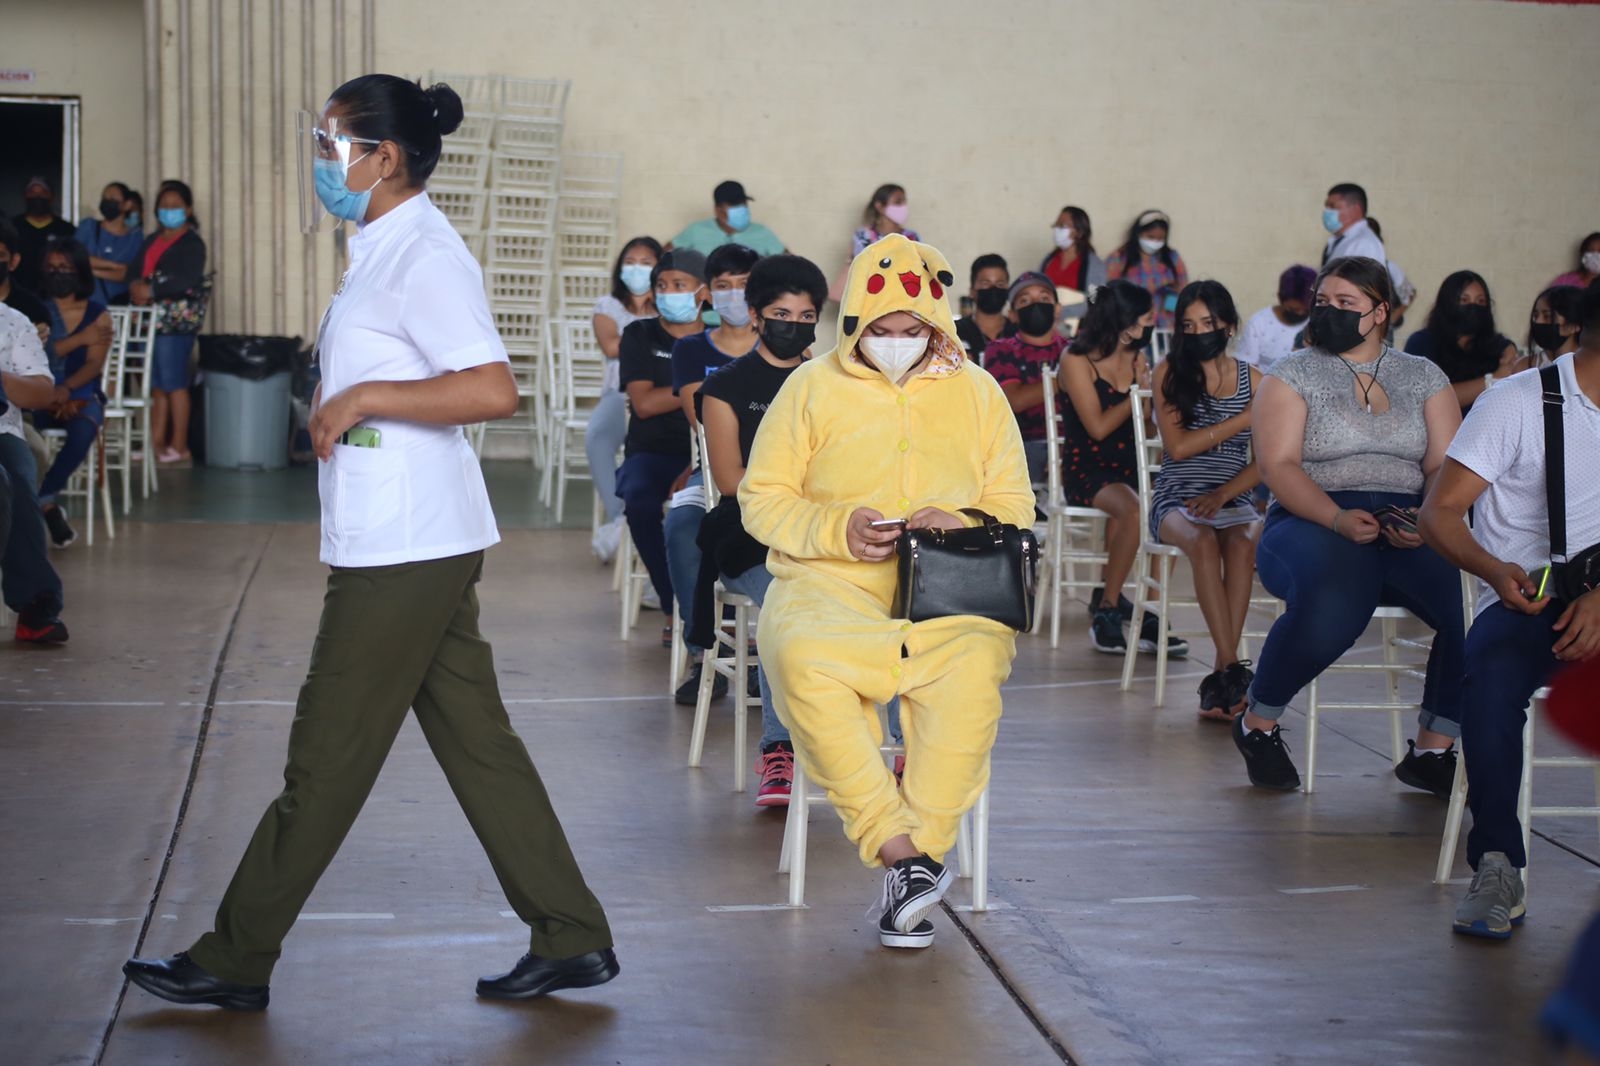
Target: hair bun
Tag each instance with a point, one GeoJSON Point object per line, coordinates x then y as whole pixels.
{"type": "Point", "coordinates": [447, 109]}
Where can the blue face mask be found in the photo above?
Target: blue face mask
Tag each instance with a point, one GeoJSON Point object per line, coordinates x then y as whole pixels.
{"type": "Point", "coordinates": [739, 217]}
{"type": "Point", "coordinates": [678, 307]}
{"type": "Point", "coordinates": [340, 200]}
{"type": "Point", "coordinates": [1330, 220]}
{"type": "Point", "coordinates": [172, 217]}
{"type": "Point", "coordinates": [730, 305]}
{"type": "Point", "coordinates": [133, 219]}
{"type": "Point", "coordinates": [636, 276]}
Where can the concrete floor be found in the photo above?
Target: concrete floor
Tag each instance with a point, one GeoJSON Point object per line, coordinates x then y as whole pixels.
{"type": "Point", "coordinates": [1148, 906]}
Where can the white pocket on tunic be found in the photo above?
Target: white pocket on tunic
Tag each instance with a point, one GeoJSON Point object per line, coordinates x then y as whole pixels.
{"type": "Point", "coordinates": [370, 491]}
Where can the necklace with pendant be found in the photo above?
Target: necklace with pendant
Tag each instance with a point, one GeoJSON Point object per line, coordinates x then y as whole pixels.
{"type": "Point", "coordinates": [1372, 377]}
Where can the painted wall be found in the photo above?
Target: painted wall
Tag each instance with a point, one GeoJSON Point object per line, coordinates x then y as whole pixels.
{"type": "Point", "coordinates": [1464, 119]}
{"type": "Point", "coordinates": [93, 49]}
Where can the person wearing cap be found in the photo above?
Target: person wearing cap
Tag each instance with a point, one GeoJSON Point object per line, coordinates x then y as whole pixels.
{"type": "Point", "coordinates": [1147, 260]}
{"type": "Point", "coordinates": [1019, 362]}
{"type": "Point", "coordinates": [730, 224]}
{"type": "Point", "coordinates": [656, 449]}
{"type": "Point", "coordinates": [1270, 334]}
{"type": "Point", "coordinates": [37, 226]}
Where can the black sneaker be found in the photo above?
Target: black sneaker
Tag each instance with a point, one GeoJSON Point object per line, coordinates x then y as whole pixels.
{"type": "Point", "coordinates": [752, 684]}
{"type": "Point", "coordinates": [911, 888]}
{"type": "Point", "coordinates": [688, 693]}
{"type": "Point", "coordinates": [1266, 757]}
{"type": "Point", "coordinates": [1433, 771]}
{"type": "Point", "coordinates": [1213, 692]}
{"type": "Point", "coordinates": [890, 937]}
{"type": "Point", "coordinates": [1236, 681]}
{"type": "Point", "coordinates": [1124, 605]}
{"type": "Point", "coordinates": [61, 534]}
{"type": "Point", "coordinates": [1105, 632]}
{"type": "Point", "coordinates": [1149, 629]}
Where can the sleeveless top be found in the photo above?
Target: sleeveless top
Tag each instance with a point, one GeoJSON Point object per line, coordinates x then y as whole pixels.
{"type": "Point", "coordinates": [1181, 480]}
{"type": "Point", "coordinates": [1089, 465]}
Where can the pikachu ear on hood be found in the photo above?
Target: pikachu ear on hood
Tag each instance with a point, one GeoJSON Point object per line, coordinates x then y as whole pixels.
{"type": "Point", "coordinates": [896, 274]}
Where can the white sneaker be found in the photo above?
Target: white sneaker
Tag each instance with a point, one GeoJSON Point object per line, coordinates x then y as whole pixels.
{"type": "Point", "coordinates": [605, 540]}
{"type": "Point", "coordinates": [649, 600]}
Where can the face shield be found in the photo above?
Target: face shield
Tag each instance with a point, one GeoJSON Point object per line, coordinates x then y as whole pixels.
{"type": "Point", "coordinates": [323, 148]}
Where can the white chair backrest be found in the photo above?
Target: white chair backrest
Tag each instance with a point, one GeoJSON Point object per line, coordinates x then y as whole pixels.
{"type": "Point", "coordinates": [703, 456]}
{"type": "Point", "coordinates": [1052, 439]}
{"type": "Point", "coordinates": [1147, 451]}
{"type": "Point", "coordinates": [580, 363]}
{"type": "Point", "coordinates": [139, 349]}
{"type": "Point", "coordinates": [115, 372]}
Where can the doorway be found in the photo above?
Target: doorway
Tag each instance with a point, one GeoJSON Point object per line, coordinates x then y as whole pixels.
{"type": "Point", "coordinates": [41, 135]}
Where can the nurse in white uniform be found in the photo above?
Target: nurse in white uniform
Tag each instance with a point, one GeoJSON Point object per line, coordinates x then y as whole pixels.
{"type": "Point", "coordinates": [409, 355]}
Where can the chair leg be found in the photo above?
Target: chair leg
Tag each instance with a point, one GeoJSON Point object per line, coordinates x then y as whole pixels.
{"type": "Point", "coordinates": [798, 831]}
{"type": "Point", "coordinates": [627, 586]}
{"type": "Point", "coordinates": [964, 846]}
{"type": "Point", "coordinates": [1163, 626]}
{"type": "Point", "coordinates": [561, 478]}
{"type": "Point", "coordinates": [1130, 654]}
{"type": "Point", "coordinates": [1525, 794]}
{"type": "Point", "coordinates": [980, 853]}
{"type": "Point", "coordinates": [104, 486]}
{"type": "Point", "coordinates": [702, 708]}
{"type": "Point", "coordinates": [1309, 784]}
{"type": "Point", "coordinates": [736, 689]}
{"type": "Point", "coordinates": [680, 652]}
{"type": "Point", "coordinates": [1452, 822]}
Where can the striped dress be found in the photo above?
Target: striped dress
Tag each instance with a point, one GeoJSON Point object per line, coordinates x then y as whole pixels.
{"type": "Point", "coordinates": [1180, 480]}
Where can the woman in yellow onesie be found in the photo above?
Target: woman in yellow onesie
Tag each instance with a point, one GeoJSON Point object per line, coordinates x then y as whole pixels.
{"type": "Point", "coordinates": [893, 423]}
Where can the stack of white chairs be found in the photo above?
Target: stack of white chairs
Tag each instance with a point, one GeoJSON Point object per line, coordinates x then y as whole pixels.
{"type": "Point", "coordinates": [580, 368]}
{"type": "Point", "coordinates": [591, 188]}
{"type": "Point", "coordinates": [1074, 536]}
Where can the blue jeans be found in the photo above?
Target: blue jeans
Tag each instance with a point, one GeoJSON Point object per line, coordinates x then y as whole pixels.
{"type": "Point", "coordinates": [754, 583]}
{"type": "Point", "coordinates": [81, 432]}
{"type": "Point", "coordinates": [28, 582]}
{"type": "Point", "coordinates": [1332, 585]}
{"type": "Point", "coordinates": [1508, 659]}
{"type": "Point", "coordinates": [644, 482]}
{"type": "Point", "coordinates": [682, 527]}
{"type": "Point", "coordinates": [602, 439]}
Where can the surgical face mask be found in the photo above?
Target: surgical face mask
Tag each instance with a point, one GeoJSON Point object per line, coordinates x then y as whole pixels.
{"type": "Point", "coordinates": [133, 219]}
{"type": "Point", "coordinates": [1547, 335]}
{"type": "Point", "coordinates": [110, 209]}
{"type": "Point", "coordinates": [894, 355]}
{"type": "Point", "coordinates": [636, 277]}
{"type": "Point", "coordinates": [897, 213]}
{"type": "Point", "coordinates": [678, 307]}
{"type": "Point", "coordinates": [1336, 329]}
{"type": "Point", "coordinates": [172, 217]}
{"type": "Point", "coordinates": [60, 283]}
{"type": "Point", "coordinates": [730, 305]}
{"type": "Point", "coordinates": [1330, 220]}
{"type": "Point", "coordinates": [1476, 319]}
{"type": "Point", "coordinates": [1591, 262]}
{"type": "Point", "coordinates": [1205, 346]}
{"type": "Point", "coordinates": [990, 301]}
{"type": "Point", "coordinates": [786, 338]}
{"type": "Point", "coordinates": [1036, 320]}
{"type": "Point", "coordinates": [341, 200]}
{"type": "Point", "coordinates": [1064, 237]}
{"type": "Point", "coordinates": [37, 205]}
{"type": "Point", "coordinates": [1150, 246]}
{"type": "Point", "coordinates": [739, 217]}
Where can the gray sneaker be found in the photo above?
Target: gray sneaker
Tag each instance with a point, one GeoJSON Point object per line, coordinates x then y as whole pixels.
{"type": "Point", "coordinates": [1496, 900]}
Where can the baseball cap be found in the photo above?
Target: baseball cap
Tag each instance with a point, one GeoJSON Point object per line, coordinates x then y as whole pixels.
{"type": "Point", "coordinates": [687, 260]}
{"type": "Point", "coordinates": [1027, 278]}
{"type": "Point", "coordinates": [731, 193]}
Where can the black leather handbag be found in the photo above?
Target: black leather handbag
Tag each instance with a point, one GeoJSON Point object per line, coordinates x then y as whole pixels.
{"type": "Point", "coordinates": [991, 571]}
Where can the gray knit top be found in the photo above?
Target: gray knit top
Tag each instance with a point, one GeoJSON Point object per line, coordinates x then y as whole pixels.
{"type": "Point", "coordinates": [1347, 449]}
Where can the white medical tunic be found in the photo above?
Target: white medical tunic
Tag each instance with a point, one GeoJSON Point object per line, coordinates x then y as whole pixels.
{"type": "Point", "coordinates": [411, 307]}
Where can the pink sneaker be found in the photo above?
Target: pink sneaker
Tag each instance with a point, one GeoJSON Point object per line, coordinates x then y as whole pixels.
{"type": "Point", "coordinates": [777, 775]}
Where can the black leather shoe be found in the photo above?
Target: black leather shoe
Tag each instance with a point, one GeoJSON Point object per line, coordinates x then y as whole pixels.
{"type": "Point", "coordinates": [535, 976]}
{"type": "Point", "coordinates": [179, 980]}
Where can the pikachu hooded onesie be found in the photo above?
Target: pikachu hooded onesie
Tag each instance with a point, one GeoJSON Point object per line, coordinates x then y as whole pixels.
{"type": "Point", "coordinates": [840, 435]}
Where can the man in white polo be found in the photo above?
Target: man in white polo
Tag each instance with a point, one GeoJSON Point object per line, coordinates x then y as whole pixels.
{"type": "Point", "coordinates": [1522, 632]}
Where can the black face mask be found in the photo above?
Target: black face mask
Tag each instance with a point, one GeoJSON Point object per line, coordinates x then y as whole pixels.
{"type": "Point", "coordinates": [38, 206]}
{"type": "Point", "coordinates": [60, 283]}
{"type": "Point", "coordinates": [1335, 329]}
{"type": "Point", "coordinates": [110, 209]}
{"type": "Point", "coordinates": [990, 301]}
{"type": "Point", "coordinates": [787, 339]}
{"type": "Point", "coordinates": [1205, 346]}
{"type": "Point", "coordinates": [1547, 335]}
{"type": "Point", "coordinates": [1476, 320]}
{"type": "Point", "coordinates": [1037, 320]}
{"type": "Point", "coordinates": [1292, 318]}
{"type": "Point", "coordinates": [1143, 339]}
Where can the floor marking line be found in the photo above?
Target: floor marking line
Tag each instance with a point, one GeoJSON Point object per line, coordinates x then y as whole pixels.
{"type": "Point", "coordinates": [1323, 889]}
{"type": "Point", "coordinates": [347, 916]}
{"type": "Point", "coordinates": [1157, 899]}
{"type": "Point", "coordinates": [741, 908]}
{"type": "Point", "coordinates": [82, 703]}
{"type": "Point", "coordinates": [100, 921]}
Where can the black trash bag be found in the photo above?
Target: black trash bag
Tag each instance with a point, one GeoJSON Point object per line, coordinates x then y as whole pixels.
{"type": "Point", "coordinates": [251, 358]}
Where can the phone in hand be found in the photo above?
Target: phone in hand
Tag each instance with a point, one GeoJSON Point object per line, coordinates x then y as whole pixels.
{"type": "Point", "coordinates": [888, 523]}
{"type": "Point", "coordinates": [1392, 517]}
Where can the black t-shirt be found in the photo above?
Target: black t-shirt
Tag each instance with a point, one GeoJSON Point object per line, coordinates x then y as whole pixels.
{"type": "Point", "coordinates": [645, 354]}
{"type": "Point", "coordinates": [31, 241]}
{"type": "Point", "coordinates": [747, 385]}
{"type": "Point", "coordinates": [973, 339]}
{"type": "Point", "coordinates": [20, 299]}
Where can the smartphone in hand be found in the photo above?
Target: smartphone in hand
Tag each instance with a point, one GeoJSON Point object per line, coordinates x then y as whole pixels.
{"type": "Point", "coordinates": [1404, 518]}
{"type": "Point", "coordinates": [888, 524]}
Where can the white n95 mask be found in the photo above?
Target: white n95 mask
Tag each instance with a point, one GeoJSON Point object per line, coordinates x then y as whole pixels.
{"type": "Point", "coordinates": [894, 355]}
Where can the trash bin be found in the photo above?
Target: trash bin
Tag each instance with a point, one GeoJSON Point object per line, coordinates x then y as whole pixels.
{"type": "Point", "coordinates": [246, 385]}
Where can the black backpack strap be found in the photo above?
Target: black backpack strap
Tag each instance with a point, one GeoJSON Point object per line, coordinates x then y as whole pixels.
{"type": "Point", "coordinates": [1555, 462]}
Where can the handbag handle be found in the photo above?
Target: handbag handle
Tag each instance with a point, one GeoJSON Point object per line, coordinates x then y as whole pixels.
{"type": "Point", "coordinates": [990, 523]}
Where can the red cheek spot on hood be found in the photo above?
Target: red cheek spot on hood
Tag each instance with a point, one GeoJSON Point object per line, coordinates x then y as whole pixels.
{"type": "Point", "coordinates": [937, 290]}
{"type": "Point", "coordinates": [912, 282]}
{"type": "Point", "coordinates": [875, 284]}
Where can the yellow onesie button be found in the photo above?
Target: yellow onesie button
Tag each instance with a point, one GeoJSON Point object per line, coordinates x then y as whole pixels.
{"type": "Point", "coordinates": [895, 672]}
{"type": "Point", "coordinates": [904, 503]}
{"type": "Point", "coordinates": [906, 628]}
{"type": "Point", "coordinates": [905, 445]}
{"type": "Point", "coordinates": [901, 399]}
